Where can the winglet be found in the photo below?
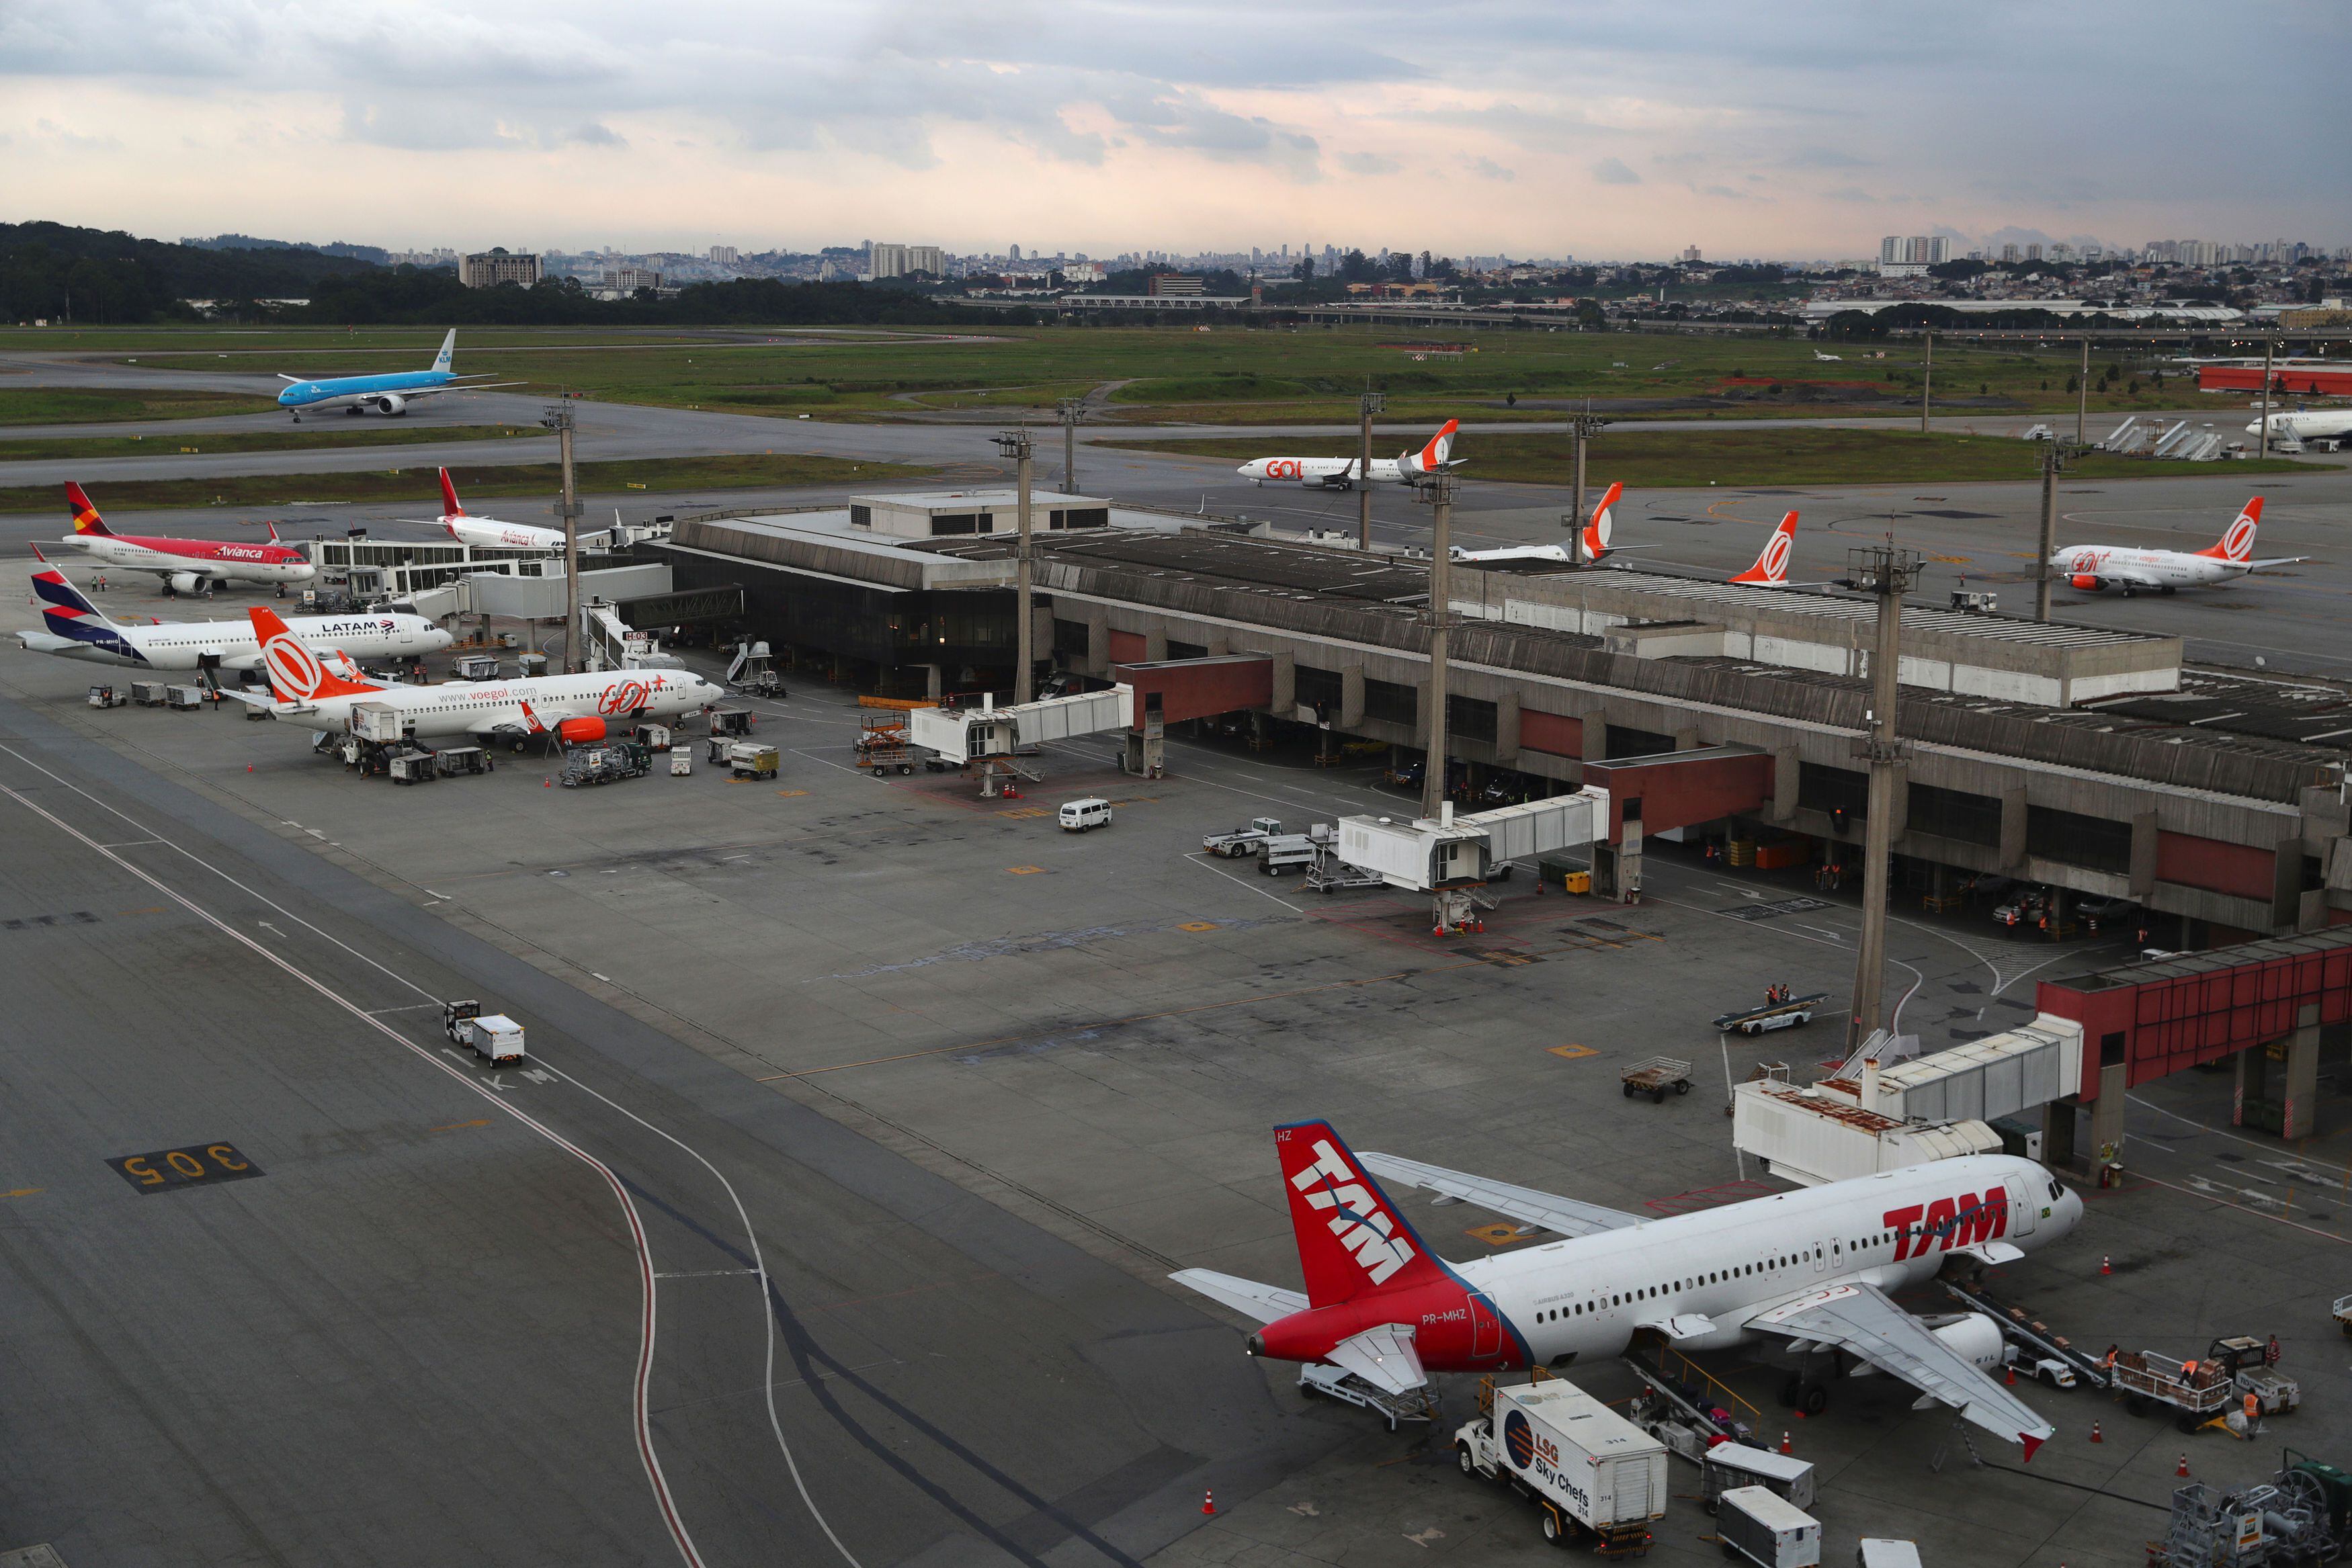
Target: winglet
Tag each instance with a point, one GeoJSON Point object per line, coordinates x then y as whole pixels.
{"type": "Point", "coordinates": [85, 516]}
{"type": "Point", "coordinates": [1771, 568]}
{"type": "Point", "coordinates": [2237, 544]}
{"type": "Point", "coordinates": [2030, 1443]}
{"type": "Point", "coordinates": [1596, 527]}
{"type": "Point", "coordinates": [296, 675]}
{"type": "Point", "coordinates": [450, 506]}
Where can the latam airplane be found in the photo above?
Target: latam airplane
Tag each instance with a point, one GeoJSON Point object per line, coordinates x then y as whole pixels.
{"type": "Point", "coordinates": [2091, 567]}
{"type": "Point", "coordinates": [79, 630]}
{"type": "Point", "coordinates": [1341, 473]}
{"type": "Point", "coordinates": [468, 528]}
{"type": "Point", "coordinates": [1811, 1270]}
{"type": "Point", "coordinates": [186, 566]}
{"type": "Point", "coordinates": [573, 708]}
{"type": "Point", "coordinates": [390, 394]}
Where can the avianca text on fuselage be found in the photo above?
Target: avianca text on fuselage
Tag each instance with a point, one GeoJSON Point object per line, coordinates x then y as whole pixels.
{"type": "Point", "coordinates": [186, 566]}
{"type": "Point", "coordinates": [1435, 456]}
{"type": "Point", "coordinates": [2091, 568]}
{"type": "Point", "coordinates": [488, 532]}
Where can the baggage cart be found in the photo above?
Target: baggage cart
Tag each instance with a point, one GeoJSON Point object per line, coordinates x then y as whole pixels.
{"type": "Point", "coordinates": [457, 759]}
{"type": "Point", "coordinates": [186, 699]}
{"type": "Point", "coordinates": [748, 759]}
{"type": "Point", "coordinates": [716, 748]}
{"type": "Point", "coordinates": [734, 721]}
{"type": "Point", "coordinates": [681, 761]}
{"type": "Point", "coordinates": [1758, 1524]}
{"type": "Point", "coordinates": [653, 736]}
{"type": "Point", "coordinates": [477, 667]}
{"type": "Point", "coordinates": [1657, 1076]}
{"type": "Point", "coordinates": [147, 694]}
{"type": "Point", "coordinates": [107, 696]}
{"type": "Point", "coordinates": [882, 744]}
{"type": "Point", "coordinates": [1287, 852]}
{"type": "Point", "coordinates": [1729, 1464]}
{"type": "Point", "coordinates": [2194, 1391]}
{"type": "Point", "coordinates": [412, 766]}
{"type": "Point", "coordinates": [495, 1037]}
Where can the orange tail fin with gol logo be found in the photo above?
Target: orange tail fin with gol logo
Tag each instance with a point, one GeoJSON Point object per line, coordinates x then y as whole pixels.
{"type": "Point", "coordinates": [2237, 541]}
{"type": "Point", "coordinates": [1771, 568]}
{"type": "Point", "coordinates": [1596, 527]}
{"type": "Point", "coordinates": [296, 673]}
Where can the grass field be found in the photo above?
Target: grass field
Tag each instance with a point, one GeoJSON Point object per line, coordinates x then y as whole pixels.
{"type": "Point", "coordinates": [1808, 457]}
{"type": "Point", "coordinates": [90, 405]}
{"type": "Point", "coordinates": [74, 446]}
{"type": "Point", "coordinates": [1252, 375]}
{"type": "Point", "coordinates": [419, 485]}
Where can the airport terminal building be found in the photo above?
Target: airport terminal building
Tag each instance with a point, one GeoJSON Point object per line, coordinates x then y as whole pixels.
{"type": "Point", "coordinates": [2087, 759]}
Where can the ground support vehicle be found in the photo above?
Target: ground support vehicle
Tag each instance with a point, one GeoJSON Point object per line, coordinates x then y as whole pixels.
{"type": "Point", "coordinates": [604, 763]}
{"type": "Point", "coordinates": [1286, 851]}
{"type": "Point", "coordinates": [1318, 1380]}
{"type": "Point", "coordinates": [731, 721]}
{"type": "Point", "coordinates": [1330, 873]}
{"type": "Point", "coordinates": [882, 744]}
{"type": "Point", "coordinates": [457, 759]}
{"type": "Point", "coordinates": [1588, 1469]}
{"type": "Point", "coordinates": [2247, 1361]}
{"type": "Point", "coordinates": [747, 759]}
{"type": "Point", "coordinates": [1730, 1465]}
{"type": "Point", "coordinates": [1758, 1524]}
{"type": "Point", "coordinates": [2033, 1339]}
{"type": "Point", "coordinates": [412, 766]}
{"type": "Point", "coordinates": [1242, 841]}
{"type": "Point", "coordinates": [1657, 1076]}
{"type": "Point", "coordinates": [106, 696]}
{"type": "Point", "coordinates": [681, 761]}
{"type": "Point", "coordinates": [1683, 1412]}
{"type": "Point", "coordinates": [1796, 1010]}
{"type": "Point", "coordinates": [2195, 1392]}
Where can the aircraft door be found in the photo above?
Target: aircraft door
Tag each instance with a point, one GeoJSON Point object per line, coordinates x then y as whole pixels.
{"type": "Point", "coordinates": [2024, 1204]}
{"type": "Point", "coordinates": [1486, 1327]}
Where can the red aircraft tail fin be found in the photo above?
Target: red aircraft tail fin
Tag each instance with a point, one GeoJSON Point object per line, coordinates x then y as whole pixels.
{"type": "Point", "coordinates": [85, 516]}
{"type": "Point", "coordinates": [2237, 542]}
{"type": "Point", "coordinates": [1352, 1241]}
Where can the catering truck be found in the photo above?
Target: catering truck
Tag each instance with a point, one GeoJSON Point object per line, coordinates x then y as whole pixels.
{"type": "Point", "coordinates": [1586, 1467]}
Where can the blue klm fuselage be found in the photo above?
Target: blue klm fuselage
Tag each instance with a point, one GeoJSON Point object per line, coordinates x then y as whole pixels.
{"type": "Point", "coordinates": [363, 389]}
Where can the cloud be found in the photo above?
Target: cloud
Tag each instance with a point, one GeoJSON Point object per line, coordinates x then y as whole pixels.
{"type": "Point", "coordinates": [1369, 163]}
{"type": "Point", "coordinates": [1824, 158]}
{"type": "Point", "coordinates": [1613, 172]}
{"type": "Point", "coordinates": [1487, 169]}
{"type": "Point", "coordinates": [593, 134]}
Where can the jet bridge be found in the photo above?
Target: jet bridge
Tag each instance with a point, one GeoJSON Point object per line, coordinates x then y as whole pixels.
{"type": "Point", "coordinates": [987, 738]}
{"type": "Point", "coordinates": [1453, 856]}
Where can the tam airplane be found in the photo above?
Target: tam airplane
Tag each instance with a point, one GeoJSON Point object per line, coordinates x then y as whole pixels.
{"type": "Point", "coordinates": [468, 528]}
{"type": "Point", "coordinates": [573, 708]}
{"type": "Point", "coordinates": [79, 630]}
{"type": "Point", "coordinates": [1809, 1270]}
{"type": "Point", "coordinates": [186, 566]}
{"type": "Point", "coordinates": [2091, 567]}
{"type": "Point", "coordinates": [390, 392]}
{"type": "Point", "coordinates": [1341, 473]}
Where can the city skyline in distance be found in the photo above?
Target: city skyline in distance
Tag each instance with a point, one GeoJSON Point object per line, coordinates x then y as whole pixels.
{"type": "Point", "coordinates": [1805, 133]}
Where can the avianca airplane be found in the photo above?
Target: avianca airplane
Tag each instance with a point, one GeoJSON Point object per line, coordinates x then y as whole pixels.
{"type": "Point", "coordinates": [570, 707]}
{"type": "Point", "coordinates": [1810, 1269]}
{"type": "Point", "coordinates": [390, 392]}
{"type": "Point", "coordinates": [1340, 473]}
{"type": "Point", "coordinates": [2091, 567]}
{"type": "Point", "coordinates": [468, 528]}
{"type": "Point", "coordinates": [79, 630]}
{"type": "Point", "coordinates": [1596, 539]}
{"type": "Point", "coordinates": [186, 566]}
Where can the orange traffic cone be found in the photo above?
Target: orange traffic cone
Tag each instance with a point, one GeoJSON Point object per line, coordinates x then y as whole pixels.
{"type": "Point", "coordinates": [1786, 1446]}
{"type": "Point", "coordinates": [2106, 1265]}
{"type": "Point", "coordinates": [1209, 1501]}
{"type": "Point", "coordinates": [2183, 1469]}
{"type": "Point", "coordinates": [2095, 1433]}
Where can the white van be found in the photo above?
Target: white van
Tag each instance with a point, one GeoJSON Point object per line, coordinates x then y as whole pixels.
{"type": "Point", "coordinates": [1077, 816]}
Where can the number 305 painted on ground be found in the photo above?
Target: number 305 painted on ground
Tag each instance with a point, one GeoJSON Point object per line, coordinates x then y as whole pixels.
{"type": "Point", "coordinates": [197, 1165]}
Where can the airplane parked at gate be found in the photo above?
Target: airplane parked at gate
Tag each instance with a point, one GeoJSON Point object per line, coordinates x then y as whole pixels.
{"type": "Point", "coordinates": [1596, 541]}
{"type": "Point", "coordinates": [2093, 568]}
{"type": "Point", "coordinates": [570, 707]}
{"type": "Point", "coordinates": [186, 566]}
{"type": "Point", "coordinates": [1341, 473]}
{"type": "Point", "coordinates": [468, 528]}
{"type": "Point", "coordinates": [78, 628]}
{"type": "Point", "coordinates": [390, 392]}
{"type": "Point", "coordinates": [1812, 1268]}
{"type": "Point", "coordinates": [2307, 424]}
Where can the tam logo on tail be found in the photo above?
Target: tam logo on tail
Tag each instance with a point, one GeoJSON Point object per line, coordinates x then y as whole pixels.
{"type": "Point", "coordinates": [1771, 568]}
{"type": "Point", "coordinates": [1596, 528]}
{"type": "Point", "coordinates": [296, 673]}
{"type": "Point", "coordinates": [85, 516]}
{"type": "Point", "coordinates": [1352, 1241]}
{"type": "Point", "coordinates": [2238, 540]}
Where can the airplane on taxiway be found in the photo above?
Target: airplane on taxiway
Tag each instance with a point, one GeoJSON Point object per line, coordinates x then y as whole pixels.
{"type": "Point", "coordinates": [2093, 568]}
{"type": "Point", "coordinates": [1341, 473]}
{"type": "Point", "coordinates": [390, 392]}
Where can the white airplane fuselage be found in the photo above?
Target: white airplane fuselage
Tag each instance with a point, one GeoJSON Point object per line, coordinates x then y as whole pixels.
{"type": "Point", "coordinates": [1324, 473]}
{"type": "Point", "coordinates": [2308, 424]}
{"type": "Point", "coordinates": [231, 644]}
{"type": "Point", "coordinates": [202, 561]}
{"type": "Point", "coordinates": [2135, 570]}
{"type": "Point", "coordinates": [527, 706]}
{"type": "Point", "coordinates": [490, 533]}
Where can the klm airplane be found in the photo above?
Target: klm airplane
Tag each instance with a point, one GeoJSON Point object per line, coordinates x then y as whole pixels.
{"type": "Point", "coordinates": [392, 393]}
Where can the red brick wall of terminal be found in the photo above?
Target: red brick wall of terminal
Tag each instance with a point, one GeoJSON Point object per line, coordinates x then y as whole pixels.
{"type": "Point", "coordinates": [2239, 870]}
{"type": "Point", "coordinates": [2249, 378]}
{"type": "Point", "coordinates": [1198, 688]}
{"type": "Point", "coordinates": [1677, 793]}
{"type": "Point", "coordinates": [1127, 647]}
{"type": "Point", "coordinates": [2167, 1025]}
{"type": "Point", "coordinates": [1555, 734]}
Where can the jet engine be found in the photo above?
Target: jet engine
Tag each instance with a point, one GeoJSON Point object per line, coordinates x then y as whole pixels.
{"type": "Point", "coordinates": [186, 581]}
{"type": "Point", "coordinates": [392, 403]}
{"type": "Point", "coordinates": [1974, 1339]}
{"type": "Point", "coordinates": [2085, 581]}
{"type": "Point", "coordinates": [580, 731]}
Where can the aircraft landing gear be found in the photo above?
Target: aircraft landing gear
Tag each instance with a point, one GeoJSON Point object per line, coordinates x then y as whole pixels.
{"type": "Point", "coordinates": [2167, 590]}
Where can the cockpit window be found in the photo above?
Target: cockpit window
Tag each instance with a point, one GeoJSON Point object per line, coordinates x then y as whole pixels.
{"type": "Point", "coordinates": [2055, 1192]}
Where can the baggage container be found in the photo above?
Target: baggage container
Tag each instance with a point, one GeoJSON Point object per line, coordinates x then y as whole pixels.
{"type": "Point", "coordinates": [495, 1037]}
{"type": "Point", "coordinates": [147, 694]}
{"type": "Point", "coordinates": [187, 699]}
{"type": "Point", "coordinates": [749, 760]}
{"type": "Point", "coordinates": [1729, 1464]}
{"type": "Point", "coordinates": [412, 768]}
{"type": "Point", "coordinates": [1760, 1525]}
{"type": "Point", "coordinates": [378, 722]}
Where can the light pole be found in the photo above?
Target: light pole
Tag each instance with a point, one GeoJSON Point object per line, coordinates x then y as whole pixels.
{"type": "Point", "coordinates": [1887, 573]}
{"type": "Point", "coordinates": [1016, 445]}
{"type": "Point", "coordinates": [559, 420]}
{"type": "Point", "coordinates": [1584, 427]}
{"type": "Point", "coordinates": [2262, 424]}
{"type": "Point", "coordinates": [1368, 404]}
{"type": "Point", "coordinates": [1926, 383]}
{"type": "Point", "coordinates": [1438, 491]}
{"type": "Point", "coordinates": [1072, 410]}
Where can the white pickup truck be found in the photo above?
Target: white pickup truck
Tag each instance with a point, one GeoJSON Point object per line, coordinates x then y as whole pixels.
{"type": "Point", "coordinates": [1242, 842]}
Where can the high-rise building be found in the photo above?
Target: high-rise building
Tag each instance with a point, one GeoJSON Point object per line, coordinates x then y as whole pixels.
{"type": "Point", "coordinates": [884, 260]}
{"type": "Point", "coordinates": [722, 254]}
{"type": "Point", "coordinates": [628, 279]}
{"type": "Point", "coordinates": [1907, 256]}
{"type": "Point", "coordinates": [491, 268]}
{"type": "Point", "coordinates": [1691, 254]}
{"type": "Point", "coordinates": [2033, 253]}
{"type": "Point", "coordinates": [2009, 253]}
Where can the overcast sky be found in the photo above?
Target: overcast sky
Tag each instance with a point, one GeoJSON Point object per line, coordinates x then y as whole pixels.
{"type": "Point", "coordinates": [1795, 130]}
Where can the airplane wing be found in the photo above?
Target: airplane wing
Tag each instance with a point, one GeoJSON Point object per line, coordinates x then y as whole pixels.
{"type": "Point", "coordinates": [1862, 1320]}
{"type": "Point", "coordinates": [2280, 560]}
{"type": "Point", "coordinates": [1514, 552]}
{"type": "Point", "coordinates": [1564, 1215]}
{"type": "Point", "coordinates": [477, 386]}
{"type": "Point", "coordinates": [1383, 1357]}
{"type": "Point", "coordinates": [284, 377]}
{"type": "Point", "coordinates": [1267, 1303]}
